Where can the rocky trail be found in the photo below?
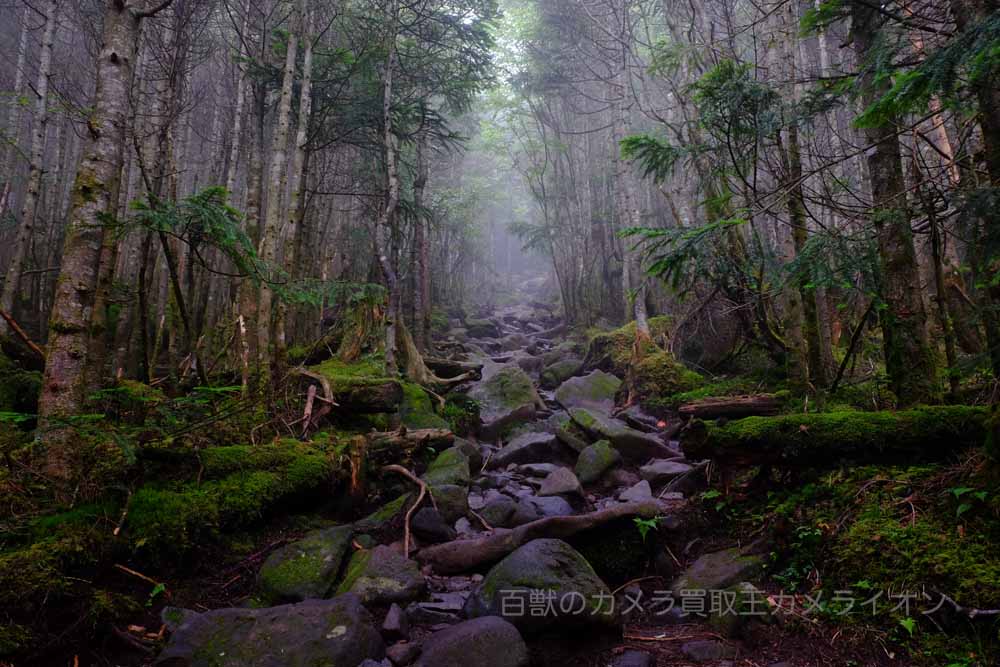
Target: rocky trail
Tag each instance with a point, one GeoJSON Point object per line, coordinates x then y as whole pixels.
{"type": "Point", "coordinates": [564, 535]}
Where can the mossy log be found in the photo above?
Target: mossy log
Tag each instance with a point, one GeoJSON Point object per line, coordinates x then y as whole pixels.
{"type": "Point", "coordinates": [369, 397]}
{"type": "Point", "coordinates": [401, 444]}
{"type": "Point", "coordinates": [804, 441]}
{"type": "Point", "coordinates": [733, 407]}
{"type": "Point", "coordinates": [449, 368]}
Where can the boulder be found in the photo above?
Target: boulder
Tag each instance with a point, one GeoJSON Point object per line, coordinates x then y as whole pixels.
{"type": "Point", "coordinates": [633, 445]}
{"type": "Point", "coordinates": [514, 341]}
{"type": "Point", "coordinates": [417, 411]}
{"type": "Point", "coordinates": [383, 575]}
{"type": "Point", "coordinates": [663, 470]}
{"type": "Point", "coordinates": [484, 642]}
{"type": "Point", "coordinates": [595, 390]}
{"type": "Point", "coordinates": [506, 397]}
{"type": "Point", "coordinates": [452, 501]}
{"type": "Point", "coordinates": [538, 469]}
{"type": "Point", "coordinates": [565, 578]}
{"type": "Point", "coordinates": [526, 448]}
{"type": "Point", "coordinates": [560, 481]}
{"type": "Point", "coordinates": [717, 571]}
{"type": "Point", "coordinates": [450, 467]}
{"type": "Point", "coordinates": [396, 625]}
{"type": "Point", "coordinates": [595, 460]}
{"type": "Point", "coordinates": [548, 506]}
{"type": "Point", "coordinates": [403, 653]}
{"type": "Point", "coordinates": [315, 632]}
{"type": "Point", "coordinates": [481, 328]}
{"type": "Point", "coordinates": [430, 526]}
{"type": "Point", "coordinates": [558, 372]}
{"type": "Point", "coordinates": [472, 452]}
{"type": "Point", "coordinates": [305, 569]}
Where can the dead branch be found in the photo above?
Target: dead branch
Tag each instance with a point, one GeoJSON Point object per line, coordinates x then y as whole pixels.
{"type": "Point", "coordinates": [16, 328]}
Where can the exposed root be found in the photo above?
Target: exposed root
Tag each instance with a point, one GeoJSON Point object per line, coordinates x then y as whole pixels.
{"type": "Point", "coordinates": [424, 491]}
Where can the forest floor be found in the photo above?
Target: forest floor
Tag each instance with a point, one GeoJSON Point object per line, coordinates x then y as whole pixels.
{"type": "Point", "coordinates": [695, 538]}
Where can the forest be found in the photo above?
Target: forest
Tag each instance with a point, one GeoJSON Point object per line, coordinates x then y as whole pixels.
{"type": "Point", "coordinates": [505, 333]}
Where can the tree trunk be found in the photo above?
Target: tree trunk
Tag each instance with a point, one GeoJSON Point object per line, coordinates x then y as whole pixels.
{"type": "Point", "coordinates": [14, 116]}
{"type": "Point", "coordinates": [909, 358]}
{"type": "Point", "coordinates": [386, 221]}
{"type": "Point", "coordinates": [63, 387]}
{"type": "Point", "coordinates": [22, 244]}
{"type": "Point", "coordinates": [421, 249]}
{"type": "Point", "coordinates": [272, 217]}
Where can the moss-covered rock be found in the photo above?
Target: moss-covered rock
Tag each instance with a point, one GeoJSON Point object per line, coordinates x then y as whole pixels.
{"type": "Point", "coordinates": [611, 351]}
{"type": "Point", "coordinates": [361, 386]}
{"type": "Point", "coordinates": [450, 467]}
{"type": "Point", "coordinates": [417, 411]}
{"type": "Point", "coordinates": [305, 569]}
{"type": "Point", "coordinates": [506, 398]}
{"type": "Point", "coordinates": [632, 444]}
{"type": "Point", "coordinates": [383, 575]}
{"type": "Point", "coordinates": [558, 372]}
{"type": "Point", "coordinates": [482, 328]}
{"type": "Point", "coordinates": [595, 460]}
{"type": "Point", "coordinates": [659, 374]}
{"type": "Point", "coordinates": [596, 390]}
{"type": "Point", "coordinates": [717, 571]}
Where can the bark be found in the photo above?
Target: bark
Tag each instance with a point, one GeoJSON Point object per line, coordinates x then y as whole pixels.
{"type": "Point", "coordinates": [386, 221]}
{"type": "Point", "coordinates": [14, 115]}
{"type": "Point", "coordinates": [63, 387]}
{"type": "Point", "coordinates": [421, 251]}
{"type": "Point", "coordinates": [910, 360]}
{"type": "Point", "coordinates": [277, 180]}
{"type": "Point", "coordinates": [300, 169]}
{"type": "Point", "coordinates": [25, 229]}
{"type": "Point", "coordinates": [733, 407]}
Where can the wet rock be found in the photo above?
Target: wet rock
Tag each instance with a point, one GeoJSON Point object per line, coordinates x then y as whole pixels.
{"type": "Point", "coordinates": [481, 328]}
{"type": "Point", "coordinates": [595, 460]}
{"type": "Point", "coordinates": [499, 511]}
{"type": "Point", "coordinates": [526, 448]}
{"type": "Point", "coordinates": [538, 469]}
{"type": "Point", "coordinates": [338, 631]}
{"type": "Point", "coordinates": [484, 642]}
{"type": "Point", "coordinates": [560, 481]}
{"type": "Point", "coordinates": [383, 575]}
{"type": "Point", "coordinates": [634, 659]}
{"type": "Point", "coordinates": [706, 650]}
{"type": "Point", "coordinates": [662, 471]}
{"type": "Point", "coordinates": [424, 613]}
{"type": "Point", "coordinates": [558, 372]}
{"type": "Point", "coordinates": [632, 444]}
{"type": "Point", "coordinates": [547, 565]}
{"type": "Point", "coordinates": [595, 391]}
{"type": "Point", "coordinates": [718, 571]}
{"type": "Point", "coordinates": [506, 397]}
{"type": "Point", "coordinates": [403, 653]}
{"type": "Point", "coordinates": [430, 526]}
{"type": "Point", "coordinates": [452, 501]}
{"type": "Point", "coordinates": [548, 506]}
{"type": "Point", "coordinates": [450, 467]}
{"type": "Point", "coordinates": [396, 625]}
{"type": "Point", "coordinates": [305, 569]}
{"type": "Point", "coordinates": [570, 435]}
{"type": "Point", "coordinates": [638, 493]}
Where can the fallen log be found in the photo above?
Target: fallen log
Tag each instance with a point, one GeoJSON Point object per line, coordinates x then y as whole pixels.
{"type": "Point", "coordinates": [390, 445]}
{"type": "Point", "coordinates": [816, 440]}
{"type": "Point", "coordinates": [450, 368]}
{"type": "Point", "coordinates": [463, 555]}
{"type": "Point", "coordinates": [733, 407]}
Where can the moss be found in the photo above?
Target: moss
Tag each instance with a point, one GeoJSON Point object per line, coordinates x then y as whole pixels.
{"type": "Point", "coordinates": [383, 514]}
{"type": "Point", "coordinates": [416, 410]}
{"type": "Point", "coordinates": [222, 461]}
{"type": "Point", "coordinates": [512, 387]}
{"type": "Point", "coordinates": [355, 570]}
{"type": "Point", "coordinates": [612, 350]}
{"type": "Point", "coordinates": [659, 374]}
{"type": "Point", "coordinates": [929, 433]}
{"type": "Point", "coordinates": [168, 521]}
{"type": "Point", "coordinates": [368, 370]}
{"type": "Point", "coordinates": [450, 467]}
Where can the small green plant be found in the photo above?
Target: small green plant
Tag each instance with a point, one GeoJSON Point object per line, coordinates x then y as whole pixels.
{"type": "Point", "coordinates": [645, 525]}
{"type": "Point", "coordinates": [964, 496]}
{"type": "Point", "coordinates": [158, 590]}
{"type": "Point", "coordinates": [909, 625]}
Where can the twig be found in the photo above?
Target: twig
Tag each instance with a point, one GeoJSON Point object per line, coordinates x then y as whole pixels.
{"type": "Point", "coordinates": [140, 575]}
{"type": "Point", "coordinates": [21, 334]}
{"type": "Point", "coordinates": [481, 520]}
{"type": "Point", "coordinates": [424, 491]}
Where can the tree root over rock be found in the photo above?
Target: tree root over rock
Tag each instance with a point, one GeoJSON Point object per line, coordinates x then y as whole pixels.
{"type": "Point", "coordinates": [463, 555]}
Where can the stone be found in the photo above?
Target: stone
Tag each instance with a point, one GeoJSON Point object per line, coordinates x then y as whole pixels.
{"type": "Point", "coordinates": [484, 642]}
{"type": "Point", "coordinates": [556, 373]}
{"type": "Point", "coordinates": [548, 506]}
{"type": "Point", "coordinates": [548, 565]}
{"type": "Point", "coordinates": [538, 469]}
{"type": "Point", "coordinates": [430, 526]}
{"type": "Point", "coordinates": [743, 604]}
{"type": "Point", "coordinates": [472, 452]}
{"type": "Point", "coordinates": [595, 460]}
{"type": "Point", "coordinates": [481, 328]}
{"type": "Point", "coordinates": [506, 397]}
{"type": "Point", "coordinates": [383, 575]}
{"type": "Point", "coordinates": [385, 662]}
{"type": "Point", "coordinates": [449, 467]}
{"type": "Point", "coordinates": [417, 411]}
{"type": "Point", "coordinates": [526, 448]}
{"type": "Point", "coordinates": [633, 445]}
{"type": "Point", "coordinates": [403, 653]}
{"type": "Point", "coordinates": [662, 471]}
{"type": "Point", "coordinates": [634, 659]}
{"type": "Point", "coordinates": [514, 341]}
{"type": "Point", "coordinates": [452, 501]}
{"type": "Point", "coordinates": [305, 569]}
{"type": "Point", "coordinates": [706, 650]}
{"type": "Point", "coordinates": [424, 613]}
{"type": "Point", "coordinates": [595, 390]}
{"type": "Point", "coordinates": [560, 481]}
{"type": "Point", "coordinates": [718, 571]}
{"type": "Point", "coordinates": [396, 625]}
{"type": "Point", "coordinates": [339, 631]}
{"type": "Point", "coordinates": [638, 493]}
